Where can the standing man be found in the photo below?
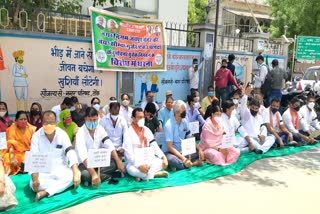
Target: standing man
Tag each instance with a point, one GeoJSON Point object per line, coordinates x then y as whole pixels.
{"type": "Point", "coordinates": [66, 104]}
{"type": "Point", "coordinates": [232, 68]}
{"type": "Point", "coordinates": [277, 75]}
{"type": "Point", "coordinates": [260, 76]}
{"type": "Point", "coordinates": [221, 78]}
{"type": "Point", "coordinates": [194, 74]}
{"type": "Point", "coordinates": [149, 99]}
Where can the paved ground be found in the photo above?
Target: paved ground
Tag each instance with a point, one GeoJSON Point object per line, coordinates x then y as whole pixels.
{"type": "Point", "coordinates": [289, 184]}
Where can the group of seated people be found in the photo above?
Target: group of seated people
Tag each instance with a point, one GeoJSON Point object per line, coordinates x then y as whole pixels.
{"type": "Point", "coordinates": [69, 130]}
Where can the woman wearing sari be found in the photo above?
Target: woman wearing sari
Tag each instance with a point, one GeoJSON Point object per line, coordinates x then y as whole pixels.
{"type": "Point", "coordinates": [66, 124]}
{"type": "Point", "coordinates": [211, 140]}
{"type": "Point", "coordinates": [19, 136]}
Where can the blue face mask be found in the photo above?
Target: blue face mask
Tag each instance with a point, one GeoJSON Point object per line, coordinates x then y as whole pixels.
{"type": "Point", "coordinates": [274, 110]}
{"type": "Point", "coordinates": [91, 125]}
{"type": "Point", "coordinates": [210, 93]}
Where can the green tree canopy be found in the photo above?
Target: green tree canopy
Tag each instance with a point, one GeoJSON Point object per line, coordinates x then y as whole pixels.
{"type": "Point", "coordinates": [301, 16]}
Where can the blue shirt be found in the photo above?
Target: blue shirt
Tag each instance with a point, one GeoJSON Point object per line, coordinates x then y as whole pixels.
{"type": "Point", "coordinates": [164, 115]}
{"type": "Point", "coordinates": [194, 115]}
{"type": "Point", "coordinates": [175, 132]}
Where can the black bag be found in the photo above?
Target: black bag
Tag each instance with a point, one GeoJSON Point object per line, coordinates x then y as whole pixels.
{"type": "Point", "coordinates": [267, 84]}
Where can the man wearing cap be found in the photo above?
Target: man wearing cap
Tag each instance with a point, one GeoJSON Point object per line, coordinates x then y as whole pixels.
{"type": "Point", "coordinates": [260, 76]}
{"type": "Point", "coordinates": [168, 94]}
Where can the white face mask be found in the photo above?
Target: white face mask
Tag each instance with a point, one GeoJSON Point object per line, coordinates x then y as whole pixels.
{"type": "Point", "coordinates": [72, 108]}
{"type": "Point", "coordinates": [125, 102]}
{"type": "Point", "coordinates": [2, 113]}
{"type": "Point", "coordinates": [96, 106]}
{"type": "Point", "coordinates": [218, 119]}
{"type": "Point", "coordinates": [196, 99]}
{"type": "Point", "coordinates": [141, 123]}
{"type": "Point", "coordinates": [311, 105]}
{"type": "Point", "coordinates": [235, 101]}
{"type": "Point", "coordinates": [114, 117]}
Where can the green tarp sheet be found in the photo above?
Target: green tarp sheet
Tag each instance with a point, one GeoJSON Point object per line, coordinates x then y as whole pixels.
{"type": "Point", "coordinates": [73, 197]}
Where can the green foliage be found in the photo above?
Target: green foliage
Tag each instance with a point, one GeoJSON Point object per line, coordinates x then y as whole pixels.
{"type": "Point", "coordinates": [301, 16]}
{"type": "Point", "coordinates": [69, 6]}
{"type": "Point", "coordinates": [102, 2]}
{"type": "Point", "coordinates": [196, 14]}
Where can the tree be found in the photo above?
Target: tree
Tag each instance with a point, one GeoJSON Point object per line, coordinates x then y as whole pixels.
{"type": "Point", "coordinates": [196, 14]}
{"type": "Point", "coordinates": [301, 16]}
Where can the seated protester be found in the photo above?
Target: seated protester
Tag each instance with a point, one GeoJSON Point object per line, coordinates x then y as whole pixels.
{"type": "Point", "coordinates": [208, 99]}
{"type": "Point", "coordinates": [236, 100]}
{"type": "Point", "coordinates": [139, 136]}
{"type": "Point", "coordinates": [211, 140]}
{"type": "Point", "coordinates": [231, 124]}
{"type": "Point", "coordinates": [197, 104]}
{"type": "Point", "coordinates": [35, 116]}
{"type": "Point", "coordinates": [149, 99]}
{"type": "Point", "coordinates": [78, 111]}
{"type": "Point", "coordinates": [95, 103]}
{"type": "Point", "coordinates": [294, 122]}
{"type": "Point", "coordinates": [310, 116]}
{"type": "Point", "coordinates": [68, 126]}
{"type": "Point", "coordinates": [19, 136]}
{"type": "Point", "coordinates": [5, 120]}
{"type": "Point", "coordinates": [93, 136]}
{"type": "Point", "coordinates": [105, 108]}
{"type": "Point", "coordinates": [175, 130]}
{"type": "Point", "coordinates": [252, 121]}
{"type": "Point", "coordinates": [50, 139]}
{"type": "Point", "coordinates": [125, 109]}
{"type": "Point", "coordinates": [66, 104]}
{"type": "Point", "coordinates": [7, 190]}
{"type": "Point", "coordinates": [192, 113]}
{"type": "Point", "coordinates": [115, 126]}
{"type": "Point", "coordinates": [168, 94]}
{"type": "Point", "coordinates": [273, 121]}
{"type": "Point", "coordinates": [151, 120]}
{"type": "Point", "coordinates": [165, 112]}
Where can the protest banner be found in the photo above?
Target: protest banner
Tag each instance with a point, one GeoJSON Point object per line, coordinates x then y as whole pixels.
{"type": "Point", "coordinates": [123, 43]}
{"type": "Point", "coordinates": [38, 162]}
{"type": "Point", "coordinates": [188, 146]}
{"type": "Point", "coordinates": [99, 158]}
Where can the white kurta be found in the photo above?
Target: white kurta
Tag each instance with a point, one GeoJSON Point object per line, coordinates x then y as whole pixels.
{"type": "Point", "coordinates": [61, 176]}
{"type": "Point", "coordinates": [115, 133]}
{"type": "Point", "coordinates": [57, 109]}
{"type": "Point", "coordinates": [266, 119]}
{"type": "Point", "coordinates": [131, 143]}
{"type": "Point", "coordinates": [311, 118]}
{"type": "Point", "coordinates": [126, 114]}
{"type": "Point", "coordinates": [85, 141]}
{"type": "Point", "coordinates": [254, 126]}
{"type": "Point", "coordinates": [287, 119]}
{"type": "Point", "coordinates": [231, 125]}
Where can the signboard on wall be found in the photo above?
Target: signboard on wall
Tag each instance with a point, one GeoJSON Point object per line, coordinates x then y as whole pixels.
{"type": "Point", "coordinates": [175, 79]}
{"type": "Point", "coordinates": [127, 44]}
{"type": "Point", "coordinates": [47, 70]}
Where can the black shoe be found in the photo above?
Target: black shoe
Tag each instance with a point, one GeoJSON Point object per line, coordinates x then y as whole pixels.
{"type": "Point", "coordinates": [258, 151]}
{"type": "Point", "coordinates": [113, 181]}
{"type": "Point", "coordinates": [293, 143]}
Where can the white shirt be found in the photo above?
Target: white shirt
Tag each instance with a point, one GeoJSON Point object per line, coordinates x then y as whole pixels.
{"type": "Point", "coordinates": [261, 75]}
{"type": "Point", "coordinates": [194, 76]}
{"type": "Point", "coordinates": [232, 124]}
{"type": "Point", "coordinates": [237, 112]}
{"type": "Point", "coordinates": [266, 118]}
{"type": "Point", "coordinates": [144, 103]}
{"type": "Point", "coordinates": [253, 125]}
{"type": "Point", "coordinates": [85, 141]}
{"type": "Point", "coordinates": [132, 142]}
{"type": "Point", "coordinates": [57, 109]}
{"type": "Point", "coordinates": [57, 148]}
{"type": "Point", "coordinates": [310, 117]}
{"type": "Point", "coordinates": [115, 133]}
{"type": "Point", "coordinates": [287, 119]}
{"type": "Point", "coordinates": [126, 114]}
